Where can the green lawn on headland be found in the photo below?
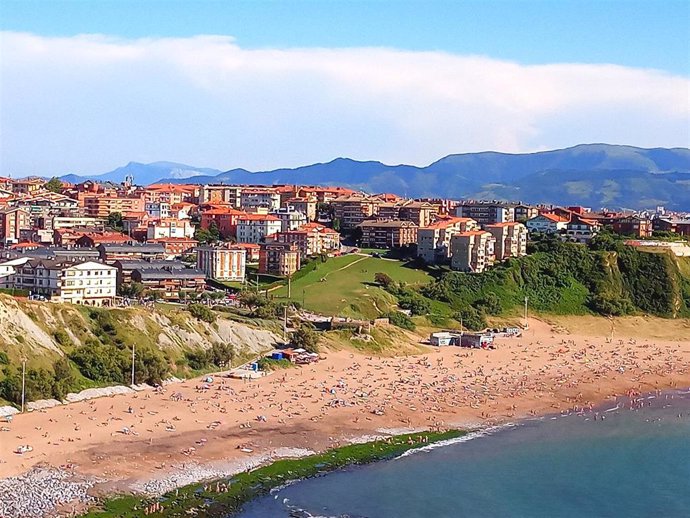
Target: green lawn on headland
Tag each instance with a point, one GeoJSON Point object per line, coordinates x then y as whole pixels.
{"type": "Point", "coordinates": [348, 287]}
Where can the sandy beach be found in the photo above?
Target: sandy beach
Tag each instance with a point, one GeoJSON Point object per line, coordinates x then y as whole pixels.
{"type": "Point", "coordinates": [130, 441]}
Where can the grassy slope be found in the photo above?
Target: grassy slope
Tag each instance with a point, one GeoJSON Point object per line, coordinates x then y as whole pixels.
{"type": "Point", "coordinates": [248, 485]}
{"type": "Point", "coordinates": [349, 288]}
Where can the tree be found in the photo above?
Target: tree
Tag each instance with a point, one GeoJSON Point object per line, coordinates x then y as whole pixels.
{"type": "Point", "coordinates": [490, 304]}
{"type": "Point", "coordinates": [202, 312]}
{"type": "Point", "coordinates": [213, 231]}
{"type": "Point", "coordinates": [115, 220]}
{"type": "Point", "coordinates": [401, 320]}
{"type": "Point", "coordinates": [306, 338]}
{"type": "Point", "coordinates": [202, 235]}
{"type": "Point", "coordinates": [133, 290]}
{"type": "Point", "coordinates": [53, 185]}
{"type": "Point", "coordinates": [383, 279]}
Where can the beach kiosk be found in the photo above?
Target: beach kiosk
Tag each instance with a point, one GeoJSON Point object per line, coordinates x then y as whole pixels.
{"type": "Point", "coordinates": [442, 338]}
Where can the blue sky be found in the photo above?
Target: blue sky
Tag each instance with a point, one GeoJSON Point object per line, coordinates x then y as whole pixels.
{"type": "Point", "coordinates": [626, 32]}
{"type": "Point", "coordinates": [287, 83]}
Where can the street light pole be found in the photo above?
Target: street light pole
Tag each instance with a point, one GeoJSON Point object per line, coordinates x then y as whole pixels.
{"type": "Point", "coordinates": [23, 382]}
{"type": "Point", "coordinates": [133, 364]}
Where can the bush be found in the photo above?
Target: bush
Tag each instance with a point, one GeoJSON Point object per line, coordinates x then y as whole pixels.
{"type": "Point", "coordinates": [62, 338]}
{"type": "Point", "coordinates": [306, 338]}
{"type": "Point", "coordinates": [471, 319]}
{"type": "Point", "coordinates": [4, 359]}
{"type": "Point", "coordinates": [202, 312]}
{"type": "Point", "coordinates": [383, 279]}
{"type": "Point", "coordinates": [401, 320]}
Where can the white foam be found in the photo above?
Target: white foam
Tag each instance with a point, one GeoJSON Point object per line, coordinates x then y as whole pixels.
{"type": "Point", "coordinates": [457, 440]}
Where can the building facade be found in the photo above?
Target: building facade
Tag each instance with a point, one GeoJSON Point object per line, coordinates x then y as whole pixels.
{"type": "Point", "coordinates": [511, 239]}
{"type": "Point", "coordinates": [433, 241]}
{"type": "Point", "coordinates": [222, 263]}
{"type": "Point", "coordinates": [472, 251]}
{"type": "Point", "coordinates": [282, 259]}
{"type": "Point", "coordinates": [388, 233]}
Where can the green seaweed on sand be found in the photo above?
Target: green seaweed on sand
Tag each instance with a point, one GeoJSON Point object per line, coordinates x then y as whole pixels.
{"type": "Point", "coordinates": [222, 497]}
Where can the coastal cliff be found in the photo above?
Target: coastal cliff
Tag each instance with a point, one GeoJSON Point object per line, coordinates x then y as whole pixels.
{"type": "Point", "coordinates": [69, 347]}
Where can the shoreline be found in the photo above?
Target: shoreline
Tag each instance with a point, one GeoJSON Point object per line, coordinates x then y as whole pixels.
{"type": "Point", "coordinates": [224, 497]}
{"type": "Point", "coordinates": [347, 397]}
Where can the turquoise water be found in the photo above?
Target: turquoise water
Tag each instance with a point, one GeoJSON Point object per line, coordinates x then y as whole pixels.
{"type": "Point", "coordinates": [633, 463]}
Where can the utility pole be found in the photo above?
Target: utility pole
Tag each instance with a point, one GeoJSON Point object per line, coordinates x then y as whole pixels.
{"type": "Point", "coordinates": [526, 321]}
{"type": "Point", "coordinates": [23, 382]}
{"type": "Point", "coordinates": [303, 297]}
{"type": "Point", "coordinates": [289, 286]}
{"type": "Point", "coordinates": [132, 363]}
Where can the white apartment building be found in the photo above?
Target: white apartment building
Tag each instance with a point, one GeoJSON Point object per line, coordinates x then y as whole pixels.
{"type": "Point", "coordinates": [89, 283]}
{"type": "Point", "coordinates": [252, 199]}
{"type": "Point", "coordinates": [157, 210]}
{"type": "Point", "coordinates": [253, 228]}
{"type": "Point", "coordinates": [547, 223]}
{"type": "Point", "coordinates": [433, 242]}
{"type": "Point", "coordinates": [290, 218]}
{"type": "Point", "coordinates": [222, 264]}
{"type": "Point", "coordinates": [169, 227]}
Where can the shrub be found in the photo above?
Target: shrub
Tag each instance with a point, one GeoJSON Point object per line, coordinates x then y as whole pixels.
{"type": "Point", "coordinates": [62, 338]}
{"type": "Point", "coordinates": [306, 338]}
{"type": "Point", "coordinates": [383, 279]}
{"type": "Point", "coordinates": [202, 312]}
{"type": "Point", "coordinates": [401, 320]}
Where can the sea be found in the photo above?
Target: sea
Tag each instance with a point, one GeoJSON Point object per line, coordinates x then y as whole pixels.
{"type": "Point", "coordinates": [614, 462]}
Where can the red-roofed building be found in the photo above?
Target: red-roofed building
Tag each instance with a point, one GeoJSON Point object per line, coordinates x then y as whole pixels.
{"type": "Point", "coordinates": [580, 229]}
{"type": "Point", "coordinates": [225, 219]}
{"type": "Point", "coordinates": [547, 223]}
{"type": "Point", "coordinates": [254, 228]}
{"type": "Point", "coordinates": [251, 249]}
{"type": "Point", "coordinates": [176, 245]}
{"type": "Point", "coordinates": [93, 239]}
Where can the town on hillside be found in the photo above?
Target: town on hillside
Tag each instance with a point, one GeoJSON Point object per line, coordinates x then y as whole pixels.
{"type": "Point", "coordinates": [100, 244]}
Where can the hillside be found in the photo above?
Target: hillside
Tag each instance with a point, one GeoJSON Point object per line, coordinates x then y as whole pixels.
{"type": "Point", "coordinates": [88, 347]}
{"type": "Point", "coordinates": [567, 279]}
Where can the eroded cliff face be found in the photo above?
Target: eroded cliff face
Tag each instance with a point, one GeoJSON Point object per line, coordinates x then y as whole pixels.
{"type": "Point", "coordinates": [44, 332]}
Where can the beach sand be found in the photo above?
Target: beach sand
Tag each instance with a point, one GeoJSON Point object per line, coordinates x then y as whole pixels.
{"type": "Point", "coordinates": [128, 440]}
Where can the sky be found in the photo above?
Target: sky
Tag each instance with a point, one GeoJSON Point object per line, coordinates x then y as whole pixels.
{"type": "Point", "coordinates": [87, 86]}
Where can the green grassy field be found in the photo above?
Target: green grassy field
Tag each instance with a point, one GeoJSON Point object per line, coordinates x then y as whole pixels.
{"type": "Point", "coordinates": [348, 287]}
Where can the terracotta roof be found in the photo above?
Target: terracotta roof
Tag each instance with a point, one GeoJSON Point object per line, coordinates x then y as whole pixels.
{"type": "Point", "coordinates": [257, 217]}
{"type": "Point", "coordinates": [555, 218]}
{"type": "Point", "coordinates": [445, 223]}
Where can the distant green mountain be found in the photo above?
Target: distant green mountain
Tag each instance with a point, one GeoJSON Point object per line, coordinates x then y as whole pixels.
{"type": "Point", "coordinates": [589, 174]}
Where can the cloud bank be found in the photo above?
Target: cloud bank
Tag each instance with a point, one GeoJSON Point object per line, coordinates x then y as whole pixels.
{"type": "Point", "coordinates": [89, 103]}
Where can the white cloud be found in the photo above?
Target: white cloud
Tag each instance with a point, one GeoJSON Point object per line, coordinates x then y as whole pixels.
{"type": "Point", "coordinates": [88, 103]}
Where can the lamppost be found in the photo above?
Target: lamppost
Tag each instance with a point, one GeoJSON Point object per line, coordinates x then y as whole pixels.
{"type": "Point", "coordinates": [133, 347]}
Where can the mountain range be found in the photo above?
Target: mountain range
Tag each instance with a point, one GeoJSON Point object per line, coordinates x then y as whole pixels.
{"type": "Point", "coordinates": [596, 175]}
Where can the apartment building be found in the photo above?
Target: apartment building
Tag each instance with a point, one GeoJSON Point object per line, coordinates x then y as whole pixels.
{"type": "Point", "coordinates": [524, 212]}
{"type": "Point", "coordinates": [486, 212]}
{"type": "Point", "coordinates": [91, 283]}
{"type": "Point", "coordinates": [171, 283]}
{"type": "Point", "coordinates": [169, 227]}
{"type": "Point", "coordinates": [281, 259]}
{"type": "Point", "coordinates": [100, 206]}
{"type": "Point", "coordinates": [420, 213]}
{"type": "Point", "coordinates": [175, 246]}
{"type": "Point", "coordinates": [27, 185]}
{"type": "Point", "coordinates": [157, 209]}
{"type": "Point", "coordinates": [71, 222]}
{"type": "Point", "coordinates": [224, 218]}
{"type": "Point", "coordinates": [388, 233]}
{"type": "Point", "coordinates": [580, 229]}
{"type": "Point", "coordinates": [111, 252]}
{"type": "Point", "coordinates": [306, 206]}
{"type": "Point", "coordinates": [633, 225]}
{"type": "Point", "coordinates": [511, 239]}
{"type": "Point", "coordinates": [222, 263]}
{"type": "Point", "coordinates": [290, 218]}
{"type": "Point", "coordinates": [547, 223]}
{"type": "Point", "coordinates": [350, 211]}
{"type": "Point", "coordinates": [253, 198]}
{"type": "Point", "coordinates": [472, 251]}
{"type": "Point", "coordinates": [221, 194]}
{"type": "Point", "coordinates": [171, 193]}
{"type": "Point", "coordinates": [254, 228]}
{"type": "Point", "coordinates": [433, 241]}
{"type": "Point", "coordinates": [12, 221]}
{"type": "Point", "coordinates": [678, 225]}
